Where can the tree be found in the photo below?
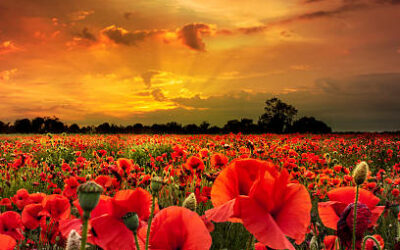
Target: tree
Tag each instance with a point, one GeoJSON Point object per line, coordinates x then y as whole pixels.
{"type": "Point", "coordinates": [38, 125]}
{"type": "Point", "coordinates": [23, 126]}
{"type": "Point", "coordinates": [277, 117]}
{"type": "Point", "coordinates": [310, 125]}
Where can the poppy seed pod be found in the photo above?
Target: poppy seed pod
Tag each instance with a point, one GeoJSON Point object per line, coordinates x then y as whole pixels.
{"type": "Point", "coordinates": [89, 195]}
{"type": "Point", "coordinates": [131, 221]}
{"type": "Point", "coordinates": [73, 241]}
{"type": "Point", "coordinates": [190, 202]}
{"type": "Point", "coordinates": [156, 183]}
{"type": "Point", "coordinates": [360, 173]}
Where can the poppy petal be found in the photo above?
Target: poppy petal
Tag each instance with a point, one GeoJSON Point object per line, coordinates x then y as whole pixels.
{"type": "Point", "coordinates": [222, 213]}
{"type": "Point", "coordinates": [110, 233]}
{"type": "Point", "coordinates": [179, 228]}
{"type": "Point", "coordinates": [376, 213]}
{"type": "Point", "coordinates": [261, 224]}
{"type": "Point", "coordinates": [294, 217]}
{"type": "Point", "coordinates": [347, 194]}
{"type": "Point", "coordinates": [7, 242]}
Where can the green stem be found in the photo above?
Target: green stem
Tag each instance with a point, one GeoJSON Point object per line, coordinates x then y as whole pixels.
{"type": "Point", "coordinates": [86, 216]}
{"type": "Point", "coordinates": [249, 244]}
{"type": "Point", "coordinates": [355, 219]}
{"type": "Point", "coordinates": [136, 241]}
{"type": "Point", "coordinates": [378, 246]}
{"type": "Point", "coordinates": [150, 220]}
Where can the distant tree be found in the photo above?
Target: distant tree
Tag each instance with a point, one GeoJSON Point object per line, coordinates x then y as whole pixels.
{"type": "Point", "coordinates": [4, 127]}
{"type": "Point", "coordinates": [191, 129]}
{"type": "Point", "coordinates": [53, 125]}
{"type": "Point", "coordinates": [38, 125]}
{"type": "Point", "coordinates": [277, 117]}
{"type": "Point", "coordinates": [233, 126]}
{"type": "Point", "coordinates": [310, 125]}
{"type": "Point", "coordinates": [103, 128]}
{"type": "Point", "coordinates": [138, 128]}
{"type": "Point", "coordinates": [214, 130]}
{"type": "Point", "coordinates": [74, 128]}
{"type": "Point", "coordinates": [23, 126]}
{"type": "Point", "coordinates": [204, 127]}
{"type": "Point", "coordinates": [173, 128]}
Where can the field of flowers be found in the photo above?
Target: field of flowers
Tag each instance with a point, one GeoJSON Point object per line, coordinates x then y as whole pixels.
{"type": "Point", "coordinates": [199, 192]}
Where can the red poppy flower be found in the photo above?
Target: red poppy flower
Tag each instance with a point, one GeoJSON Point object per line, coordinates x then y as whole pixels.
{"type": "Point", "coordinates": [194, 163]}
{"type": "Point", "coordinates": [11, 225]}
{"type": "Point", "coordinates": [21, 198]}
{"type": "Point", "coordinates": [218, 160]}
{"type": "Point", "coordinates": [256, 194]}
{"type": "Point", "coordinates": [7, 203]}
{"type": "Point", "coordinates": [30, 215]}
{"type": "Point", "coordinates": [178, 228]}
{"type": "Point", "coordinates": [109, 230]}
{"type": "Point", "coordinates": [371, 245]}
{"type": "Point", "coordinates": [7, 242]}
{"type": "Point", "coordinates": [70, 188]}
{"type": "Point", "coordinates": [56, 206]}
{"type": "Point", "coordinates": [337, 213]}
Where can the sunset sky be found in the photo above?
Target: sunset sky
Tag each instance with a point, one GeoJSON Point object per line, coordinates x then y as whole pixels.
{"type": "Point", "coordinates": [155, 61]}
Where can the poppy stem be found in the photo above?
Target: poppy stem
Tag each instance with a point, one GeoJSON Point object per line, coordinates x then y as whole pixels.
{"type": "Point", "coordinates": [136, 241]}
{"type": "Point", "coordinates": [86, 216]}
{"type": "Point", "coordinates": [378, 246]}
{"type": "Point", "coordinates": [150, 220]}
{"type": "Point", "coordinates": [355, 218]}
{"type": "Point", "coordinates": [249, 244]}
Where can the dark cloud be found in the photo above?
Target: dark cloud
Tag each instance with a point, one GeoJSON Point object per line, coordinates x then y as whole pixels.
{"type": "Point", "coordinates": [147, 76]}
{"type": "Point", "coordinates": [86, 34]}
{"type": "Point", "coordinates": [158, 95]}
{"type": "Point", "coordinates": [121, 36]}
{"type": "Point", "coordinates": [191, 35]}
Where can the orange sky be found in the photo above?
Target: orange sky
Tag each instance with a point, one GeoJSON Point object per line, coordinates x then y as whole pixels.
{"type": "Point", "coordinates": [124, 61]}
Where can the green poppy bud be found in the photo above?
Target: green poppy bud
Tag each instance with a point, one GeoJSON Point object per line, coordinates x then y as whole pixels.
{"type": "Point", "coordinates": [131, 221]}
{"type": "Point", "coordinates": [190, 202]}
{"type": "Point", "coordinates": [360, 173]}
{"type": "Point", "coordinates": [89, 195]}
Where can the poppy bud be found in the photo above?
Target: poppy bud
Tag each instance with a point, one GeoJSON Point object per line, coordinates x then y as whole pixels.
{"type": "Point", "coordinates": [89, 195]}
{"type": "Point", "coordinates": [314, 243]}
{"type": "Point", "coordinates": [190, 202]}
{"type": "Point", "coordinates": [156, 183]}
{"type": "Point", "coordinates": [131, 221]}
{"type": "Point", "coordinates": [360, 173]}
{"type": "Point", "coordinates": [73, 241]}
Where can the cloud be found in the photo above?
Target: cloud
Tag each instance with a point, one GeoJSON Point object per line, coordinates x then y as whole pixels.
{"type": "Point", "coordinates": [158, 95]}
{"type": "Point", "coordinates": [147, 76]}
{"type": "Point", "coordinates": [7, 47]}
{"type": "Point", "coordinates": [7, 74]}
{"type": "Point", "coordinates": [191, 35]}
{"type": "Point", "coordinates": [80, 15]}
{"type": "Point", "coordinates": [122, 36]}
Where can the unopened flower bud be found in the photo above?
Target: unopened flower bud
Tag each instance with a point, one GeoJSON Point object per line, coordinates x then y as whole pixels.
{"type": "Point", "coordinates": [73, 241]}
{"type": "Point", "coordinates": [360, 173]}
{"type": "Point", "coordinates": [131, 221]}
{"type": "Point", "coordinates": [156, 183]}
{"type": "Point", "coordinates": [89, 195]}
{"type": "Point", "coordinates": [190, 202]}
{"type": "Point", "coordinates": [314, 243]}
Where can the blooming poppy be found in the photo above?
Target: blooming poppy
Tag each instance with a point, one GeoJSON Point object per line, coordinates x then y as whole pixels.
{"type": "Point", "coordinates": [178, 228]}
{"type": "Point", "coordinates": [109, 230]}
{"type": "Point", "coordinates": [256, 194]}
{"type": "Point", "coordinates": [30, 215]}
{"type": "Point", "coordinates": [11, 225]}
{"type": "Point", "coordinates": [7, 242]}
{"type": "Point", "coordinates": [56, 206]}
{"type": "Point", "coordinates": [338, 213]}
{"type": "Point", "coordinates": [21, 198]}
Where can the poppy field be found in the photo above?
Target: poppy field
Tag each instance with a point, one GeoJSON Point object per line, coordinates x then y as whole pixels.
{"type": "Point", "coordinates": [233, 191]}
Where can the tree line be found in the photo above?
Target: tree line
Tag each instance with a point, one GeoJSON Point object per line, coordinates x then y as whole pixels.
{"type": "Point", "coordinates": [278, 117]}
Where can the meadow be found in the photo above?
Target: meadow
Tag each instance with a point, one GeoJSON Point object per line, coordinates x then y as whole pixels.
{"type": "Point", "coordinates": [230, 191]}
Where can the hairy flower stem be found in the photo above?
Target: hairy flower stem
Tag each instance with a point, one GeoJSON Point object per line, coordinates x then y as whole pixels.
{"type": "Point", "coordinates": [86, 216]}
{"type": "Point", "coordinates": [150, 220]}
{"type": "Point", "coordinates": [249, 244]}
{"type": "Point", "coordinates": [355, 218]}
{"type": "Point", "coordinates": [136, 241]}
{"type": "Point", "coordinates": [378, 246]}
